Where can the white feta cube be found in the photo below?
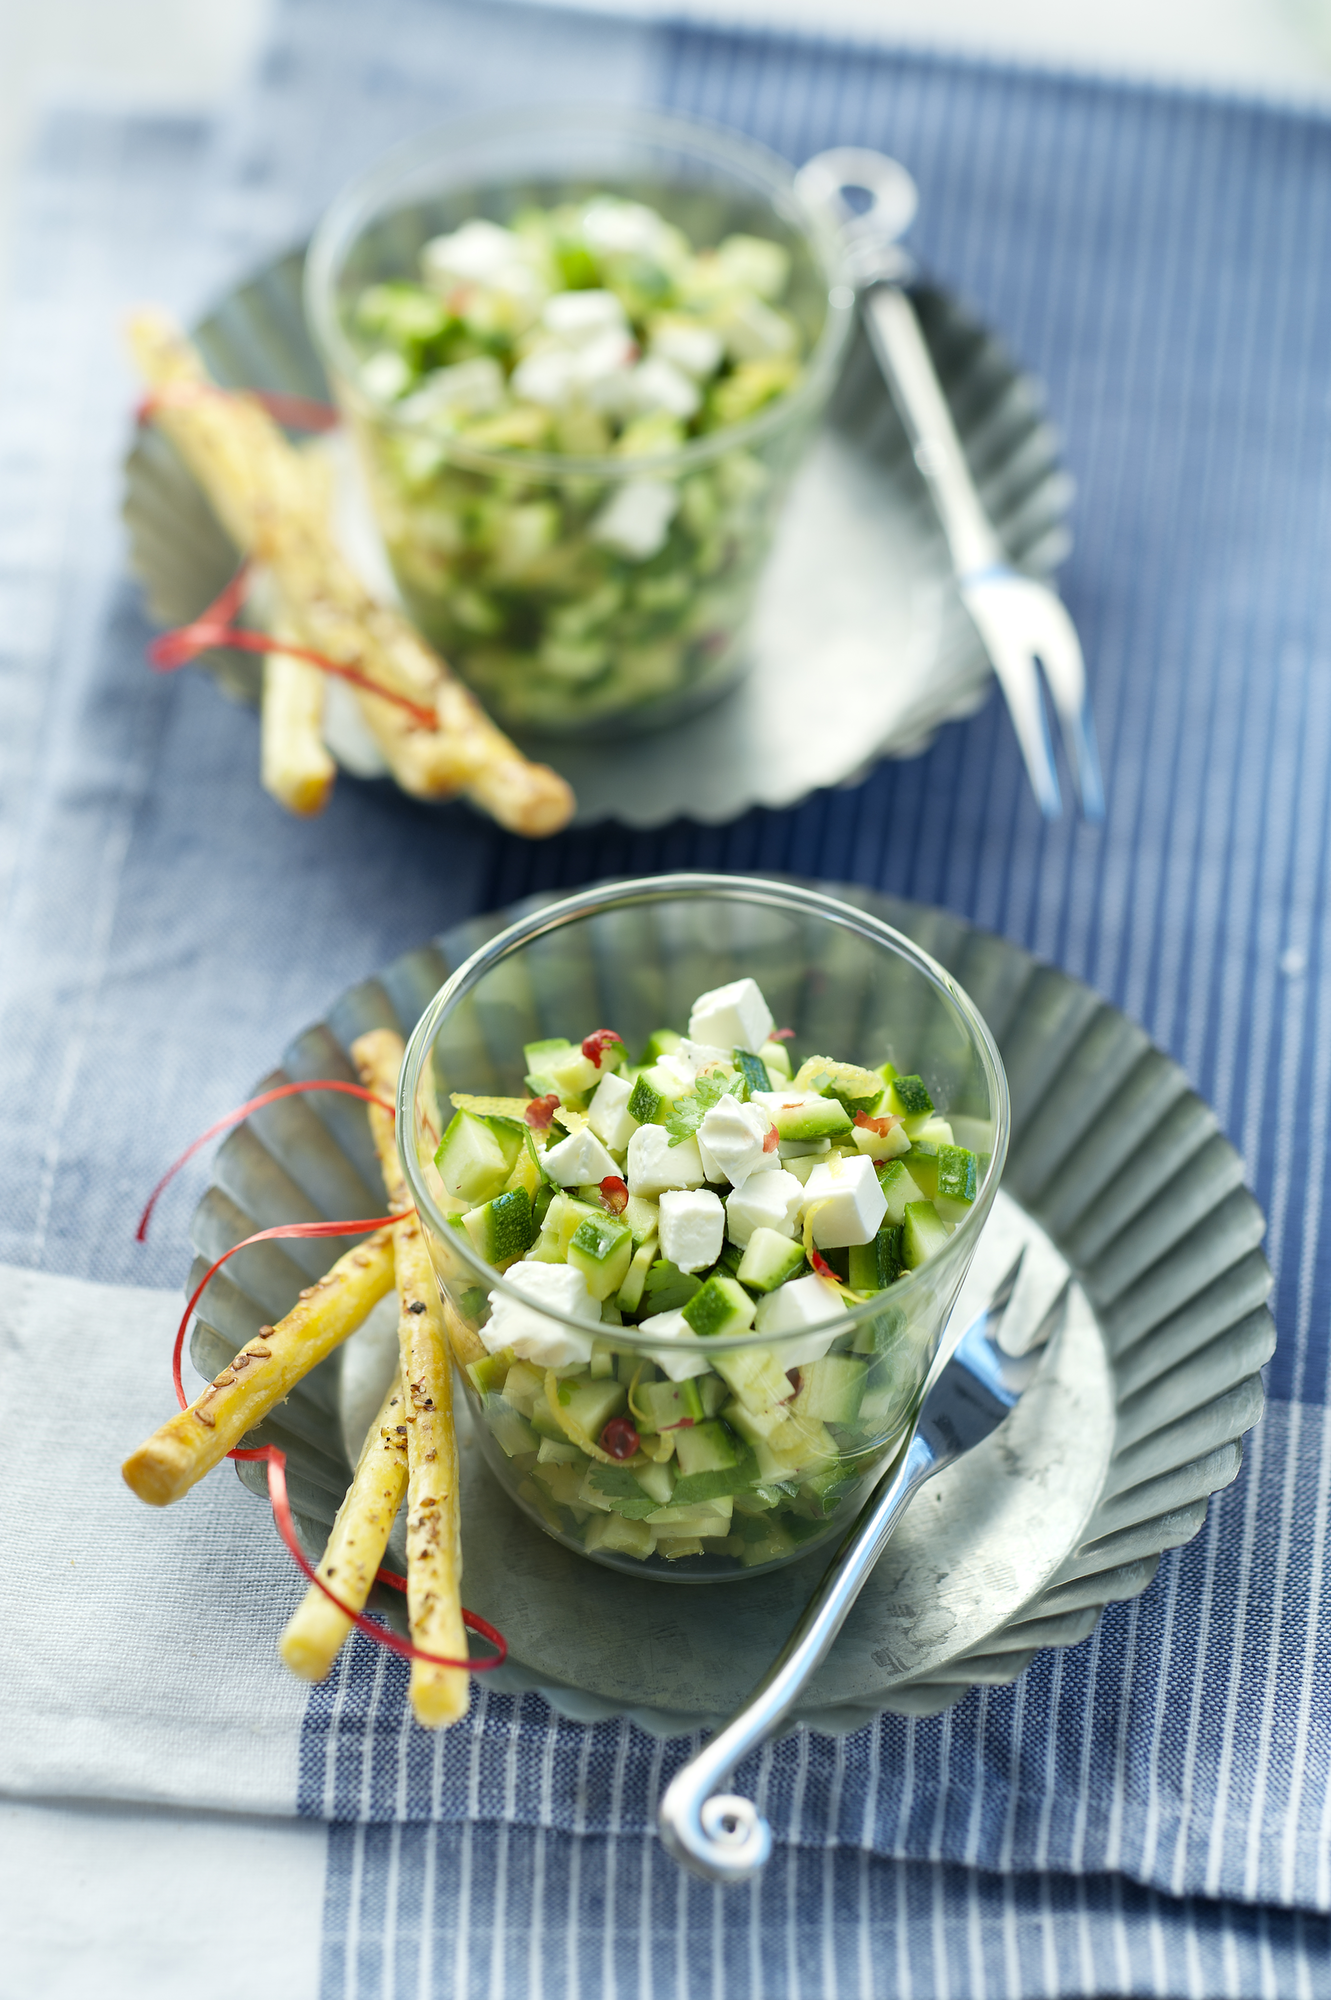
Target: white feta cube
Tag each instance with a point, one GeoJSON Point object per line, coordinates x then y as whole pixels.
{"type": "Point", "coordinates": [625, 227]}
{"type": "Point", "coordinates": [697, 1056]}
{"type": "Point", "coordinates": [803, 1302]}
{"type": "Point", "coordinates": [470, 388]}
{"type": "Point", "coordinates": [605, 356]}
{"type": "Point", "coordinates": [689, 345]}
{"type": "Point", "coordinates": [848, 1201]}
{"type": "Point", "coordinates": [548, 377]}
{"type": "Point", "coordinates": [579, 1161]}
{"type": "Point", "coordinates": [480, 250]}
{"type": "Point", "coordinates": [655, 1165]}
{"type": "Point", "coordinates": [734, 1016]}
{"type": "Point", "coordinates": [560, 1288]}
{"type": "Point", "coordinates": [764, 1201]}
{"type": "Point", "coordinates": [680, 1362]}
{"type": "Point", "coordinates": [576, 317]}
{"type": "Point", "coordinates": [608, 1112]}
{"type": "Point", "coordinates": [693, 1227]}
{"type": "Point", "coordinates": [733, 1137]}
{"type": "Point", "coordinates": [656, 384]}
{"type": "Point", "coordinates": [635, 521]}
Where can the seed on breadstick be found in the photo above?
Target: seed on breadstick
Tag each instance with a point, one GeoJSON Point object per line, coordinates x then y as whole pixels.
{"type": "Point", "coordinates": [434, 1535]}
{"type": "Point", "coordinates": [317, 1628]}
{"type": "Point", "coordinates": [266, 1369]}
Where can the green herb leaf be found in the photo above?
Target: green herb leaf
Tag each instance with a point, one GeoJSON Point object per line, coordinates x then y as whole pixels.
{"type": "Point", "coordinates": [689, 1113]}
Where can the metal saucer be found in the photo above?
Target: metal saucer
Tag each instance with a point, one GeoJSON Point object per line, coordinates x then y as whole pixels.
{"type": "Point", "coordinates": [1135, 1419]}
{"type": "Point", "coordinates": [857, 600]}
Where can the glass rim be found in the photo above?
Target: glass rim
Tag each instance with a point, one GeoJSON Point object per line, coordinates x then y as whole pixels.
{"type": "Point", "coordinates": [355, 205]}
{"type": "Point", "coordinates": [628, 892]}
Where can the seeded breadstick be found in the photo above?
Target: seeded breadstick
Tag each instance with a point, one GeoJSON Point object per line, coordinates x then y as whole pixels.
{"type": "Point", "coordinates": [253, 478]}
{"type": "Point", "coordinates": [293, 764]}
{"type": "Point", "coordinates": [317, 1629]}
{"type": "Point", "coordinates": [434, 1539]}
{"type": "Point", "coordinates": [266, 1369]}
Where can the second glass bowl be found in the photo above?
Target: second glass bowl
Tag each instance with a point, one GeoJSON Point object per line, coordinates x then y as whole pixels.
{"type": "Point", "coordinates": [633, 956]}
{"type": "Point", "coordinates": [503, 555]}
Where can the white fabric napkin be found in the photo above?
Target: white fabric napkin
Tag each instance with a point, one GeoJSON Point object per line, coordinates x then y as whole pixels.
{"type": "Point", "coordinates": [137, 1645]}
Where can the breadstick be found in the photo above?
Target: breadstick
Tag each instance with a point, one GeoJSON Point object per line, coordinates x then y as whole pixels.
{"type": "Point", "coordinates": [317, 1629]}
{"type": "Point", "coordinates": [434, 1538]}
{"type": "Point", "coordinates": [252, 477]}
{"type": "Point", "coordinates": [294, 766]}
{"type": "Point", "coordinates": [267, 1368]}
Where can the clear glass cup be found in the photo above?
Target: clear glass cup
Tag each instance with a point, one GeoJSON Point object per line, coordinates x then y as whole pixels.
{"type": "Point", "coordinates": [497, 552]}
{"type": "Point", "coordinates": [633, 956]}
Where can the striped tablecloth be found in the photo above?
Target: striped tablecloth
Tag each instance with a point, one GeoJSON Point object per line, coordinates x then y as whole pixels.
{"type": "Point", "coordinates": [1149, 1812]}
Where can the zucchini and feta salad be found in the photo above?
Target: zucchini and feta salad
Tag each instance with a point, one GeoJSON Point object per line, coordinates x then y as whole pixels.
{"type": "Point", "coordinates": [714, 1188]}
{"type": "Point", "coordinates": [596, 331]}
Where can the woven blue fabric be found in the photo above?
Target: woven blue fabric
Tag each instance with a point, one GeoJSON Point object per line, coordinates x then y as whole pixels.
{"type": "Point", "coordinates": [164, 930]}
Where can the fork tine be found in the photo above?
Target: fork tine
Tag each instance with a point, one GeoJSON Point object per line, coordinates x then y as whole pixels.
{"type": "Point", "coordinates": [1055, 640]}
{"type": "Point", "coordinates": [1014, 667]}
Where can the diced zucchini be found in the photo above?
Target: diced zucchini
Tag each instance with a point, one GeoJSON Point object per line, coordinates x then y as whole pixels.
{"type": "Point", "coordinates": [712, 1393]}
{"type": "Point", "coordinates": [899, 1188]}
{"type": "Point", "coordinates": [592, 1404]}
{"type": "Point", "coordinates": [511, 1432]}
{"type": "Point", "coordinates": [921, 1164]}
{"type": "Point", "coordinates": [601, 1247]}
{"type": "Point", "coordinates": [923, 1235]}
{"type": "Point", "coordinates": [629, 1296]}
{"type": "Point", "coordinates": [755, 1375]}
{"type": "Point", "coordinates": [822, 1493]}
{"type": "Point", "coordinates": [526, 1174]}
{"type": "Point", "coordinates": [769, 1259]}
{"type": "Point", "coordinates": [720, 1307]}
{"type": "Point", "coordinates": [672, 1547]}
{"type": "Point", "coordinates": [958, 1176]}
{"type": "Point", "coordinates": [656, 1481]}
{"type": "Point", "coordinates": [658, 1406]}
{"type": "Point", "coordinates": [854, 1088]}
{"type": "Point", "coordinates": [699, 1518]}
{"type": "Point", "coordinates": [770, 1542]}
{"type": "Point", "coordinates": [524, 1387]}
{"type": "Point", "coordinates": [489, 1374]}
{"type": "Point", "coordinates": [562, 1482]}
{"type": "Point", "coordinates": [573, 1075]}
{"type": "Point", "coordinates": [776, 1056]}
{"type": "Point", "coordinates": [602, 1364]}
{"type": "Point", "coordinates": [831, 1389]}
{"type": "Point", "coordinates": [643, 1218]}
{"type": "Point", "coordinates": [663, 1042]}
{"type": "Point", "coordinates": [501, 1229]}
{"type": "Point", "coordinates": [821, 1118]}
{"type": "Point", "coordinates": [908, 1097]}
{"type": "Point", "coordinates": [476, 1156]}
{"type": "Point", "coordinates": [563, 1219]}
{"type": "Point", "coordinates": [559, 1451]}
{"type": "Point", "coordinates": [646, 1103]}
{"type": "Point", "coordinates": [613, 1533]}
{"type": "Point", "coordinates": [753, 1070]}
{"type": "Point", "coordinates": [931, 1131]}
{"type": "Point", "coordinates": [707, 1447]}
{"type": "Point", "coordinates": [872, 1267]}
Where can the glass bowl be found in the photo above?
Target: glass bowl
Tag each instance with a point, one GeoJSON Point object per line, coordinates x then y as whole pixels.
{"type": "Point", "coordinates": [633, 956]}
{"type": "Point", "coordinates": [581, 592]}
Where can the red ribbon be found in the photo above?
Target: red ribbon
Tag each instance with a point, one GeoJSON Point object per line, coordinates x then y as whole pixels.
{"type": "Point", "coordinates": [297, 413]}
{"type": "Point", "coordinates": [216, 627]}
{"type": "Point", "coordinates": [276, 1459]}
{"type": "Point", "coordinates": [243, 1111]}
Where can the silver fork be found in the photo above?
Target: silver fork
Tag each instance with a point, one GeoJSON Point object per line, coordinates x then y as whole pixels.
{"type": "Point", "coordinates": [726, 1839]}
{"type": "Point", "coordinates": [1019, 620]}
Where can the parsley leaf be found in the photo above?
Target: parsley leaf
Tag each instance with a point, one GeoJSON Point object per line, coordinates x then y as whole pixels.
{"type": "Point", "coordinates": [689, 1113]}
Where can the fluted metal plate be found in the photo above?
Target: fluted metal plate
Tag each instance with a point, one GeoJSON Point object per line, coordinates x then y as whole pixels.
{"type": "Point", "coordinates": [1117, 1171]}
{"type": "Point", "coordinates": [857, 600]}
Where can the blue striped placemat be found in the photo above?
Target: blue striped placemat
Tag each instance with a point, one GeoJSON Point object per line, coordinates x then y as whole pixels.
{"type": "Point", "coordinates": [165, 929]}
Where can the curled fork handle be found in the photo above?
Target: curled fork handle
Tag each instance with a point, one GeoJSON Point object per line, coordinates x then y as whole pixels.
{"type": "Point", "coordinates": [725, 1838]}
